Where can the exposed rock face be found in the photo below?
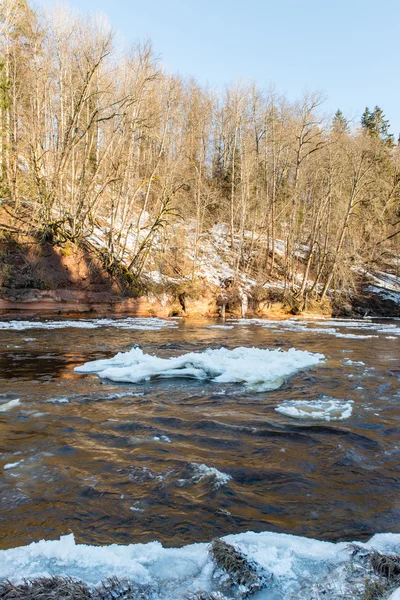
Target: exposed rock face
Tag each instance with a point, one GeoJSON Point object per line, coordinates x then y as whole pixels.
{"type": "Point", "coordinates": [46, 279]}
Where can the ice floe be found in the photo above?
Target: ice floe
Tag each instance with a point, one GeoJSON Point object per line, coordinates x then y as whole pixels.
{"type": "Point", "coordinates": [259, 369]}
{"type": "Point", "coordinates": [297, 564]}
{"type": "Point", "coordinates": [12, 465]}
{"type": "Point", "coordinates": [145, 324]}
{"type": "Point", "coordinates": [325, 409]}
{"type": "Point", "coordinates": [8, 405]}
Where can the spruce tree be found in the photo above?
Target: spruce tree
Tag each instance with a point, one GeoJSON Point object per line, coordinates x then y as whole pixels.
{"type": "Point", "coordinates": [340, 123]}
{"type": "Point", "coordinates": [375, 124]}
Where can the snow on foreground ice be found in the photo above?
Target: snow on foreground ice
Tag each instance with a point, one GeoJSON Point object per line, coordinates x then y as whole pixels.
{"type": "Point", "coordinates": [297, 564]}
{"type": "Point", "coordinates": [259, 369]}
{"type": "Point", "coordinates": [326, 409]}
{"type": "Point", "coordinates": [145, 324]}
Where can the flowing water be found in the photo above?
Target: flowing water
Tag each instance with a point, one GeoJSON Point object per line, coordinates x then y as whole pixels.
{"type": "Point", "coordinates": [183, 460]}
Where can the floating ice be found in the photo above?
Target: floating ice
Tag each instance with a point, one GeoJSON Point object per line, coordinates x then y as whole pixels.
{"type": "Point", "coordinates": [9, 405]}
{"type": "Point", "coordinates": [259, 369]}
{"type": "Point", "coordinates": [348, 361]}
{"type": "Point", "coordinates": [204, 472]}
{"type": "Point", "coordinates": [12, 465]}
{"type": "Point", "coordinates": [326, 409]}
{"type": "Point", "coordinates": [296, 563]}
{"type": "Point", "coordinates": [146, 324]}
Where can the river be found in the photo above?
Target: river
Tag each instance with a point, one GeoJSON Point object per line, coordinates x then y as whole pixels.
{"type": "Point", "coordinates": [183, 460]}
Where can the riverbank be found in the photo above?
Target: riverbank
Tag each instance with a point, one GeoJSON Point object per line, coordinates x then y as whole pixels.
{"type": "Point", "coordinates": [42, 279]}
{"type": "Point", "coordinates": [78, 302]}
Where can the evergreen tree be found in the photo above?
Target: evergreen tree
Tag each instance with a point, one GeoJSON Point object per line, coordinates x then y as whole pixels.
{"type": "Point", "coordinates": [366, 121]}
{"type": "Point", "coordinates": [375, 124]}
{"type": "Point", "coordinates": [340, 123]}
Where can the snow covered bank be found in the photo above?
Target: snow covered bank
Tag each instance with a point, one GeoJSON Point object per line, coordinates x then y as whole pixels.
{"type": "Point", "coordinates": [259, 369]}
{"type": "Point", "coordinates": [299, 566]}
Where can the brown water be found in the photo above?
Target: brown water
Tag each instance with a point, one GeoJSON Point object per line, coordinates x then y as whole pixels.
{"type": "Point", "coordinates": [116, 463]}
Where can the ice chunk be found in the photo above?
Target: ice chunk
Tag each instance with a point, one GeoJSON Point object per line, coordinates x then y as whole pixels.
{"type": "Point", "coordinates": [204, 472]}
{"type": "Point", "coordinates": [259, 369]}
{"type": "Point", "coordinates": [12, 465]}
{"type": "Point", "coordinates": [9, 405]}
{"type": "Point", "coordinates": [326, 409]}
{"type": "Point", "coordinates": [61, 400]}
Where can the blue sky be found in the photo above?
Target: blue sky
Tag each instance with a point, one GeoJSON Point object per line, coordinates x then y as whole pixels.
{"type": "Point", "coordinates": [350, 50]}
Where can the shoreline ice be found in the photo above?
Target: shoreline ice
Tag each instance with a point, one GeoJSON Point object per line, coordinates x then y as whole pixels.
{"type": "Point", "coordinates": [296, 563]}
{"type": "Point", "coordinates": [141, 323]}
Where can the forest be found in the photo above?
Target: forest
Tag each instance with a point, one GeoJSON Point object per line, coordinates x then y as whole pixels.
{"type": "Point", "coordinates": [103, 148]}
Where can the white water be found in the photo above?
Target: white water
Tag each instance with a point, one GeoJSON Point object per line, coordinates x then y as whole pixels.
{"type": "Point", "coordinates": [259, 369]}
{"type": "Point", "coordinates": [295, 562]}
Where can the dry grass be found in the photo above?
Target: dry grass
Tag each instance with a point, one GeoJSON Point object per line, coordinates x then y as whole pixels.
{"type": "Point", "coordinates": [49, 588]}
{"type": "Point", "coordinates": [65, 588]}
{"type": "Point", "coordinates": [374, 590]}
{"type": "Point", "coordinates": [387, 566]}
{"type": "Point", "coordinates": [239, 569]}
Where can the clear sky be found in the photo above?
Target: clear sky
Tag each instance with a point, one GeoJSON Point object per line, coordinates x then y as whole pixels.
{"type": "Point", "coordinates": [348, 49]}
